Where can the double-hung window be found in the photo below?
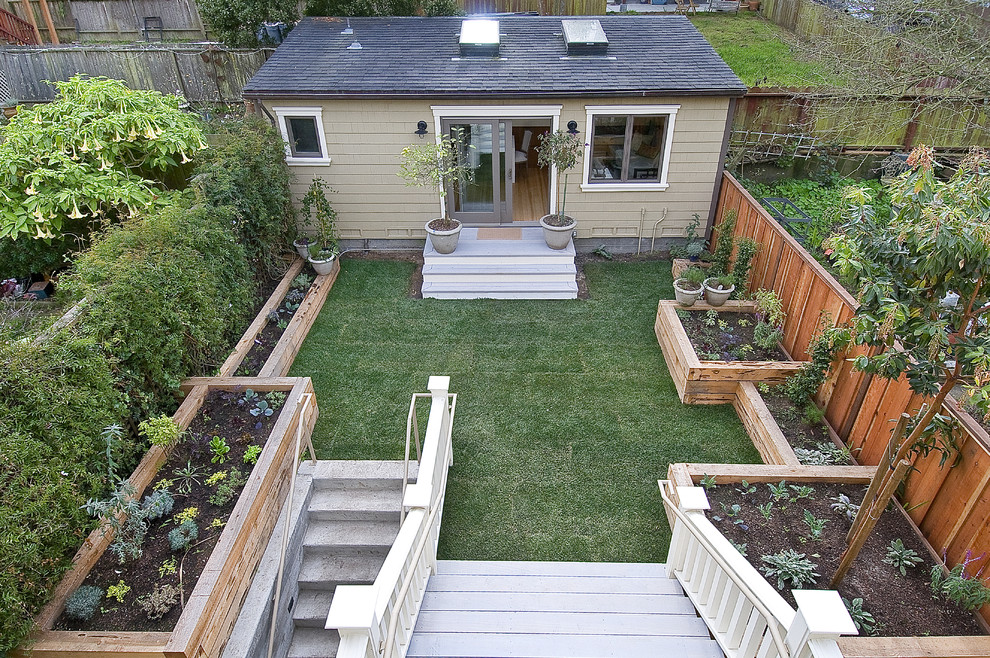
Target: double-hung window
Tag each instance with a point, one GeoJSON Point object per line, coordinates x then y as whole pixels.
{"type": "Point", "coordinates": [628, 147]}
{"type": "Point", "coordinates": [302, 130]}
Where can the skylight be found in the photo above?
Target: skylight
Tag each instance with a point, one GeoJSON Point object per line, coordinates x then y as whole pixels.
{"type": "Point", "coordinates": [479, 36]}
{"type": "Point", "coordinates": [584, 37]}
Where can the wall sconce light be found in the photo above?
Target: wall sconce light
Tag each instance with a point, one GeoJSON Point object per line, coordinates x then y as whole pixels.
{"type": "Point", "coordinates": [421, 128]}
{"type": "Point", "coordinates": [572, 127]}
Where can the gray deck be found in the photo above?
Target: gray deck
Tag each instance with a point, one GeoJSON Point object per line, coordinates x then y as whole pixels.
{"type": "Point", "coordinates": [557, 609]}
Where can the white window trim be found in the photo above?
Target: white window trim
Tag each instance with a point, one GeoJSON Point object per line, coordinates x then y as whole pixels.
{"type": "Point", "coordinates": [592, 110]}
{"type": "Point", "coordinates": [317, 113]}
{"type": "Point", "coordinates": [441, 112]}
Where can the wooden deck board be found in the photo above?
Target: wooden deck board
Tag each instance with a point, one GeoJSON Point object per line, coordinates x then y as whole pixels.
{"type": "Point", "coordinates": [529, 645]}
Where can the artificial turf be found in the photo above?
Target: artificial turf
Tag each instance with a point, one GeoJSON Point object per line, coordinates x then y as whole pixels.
{"type": "Point", "coordinates": [566, 414]}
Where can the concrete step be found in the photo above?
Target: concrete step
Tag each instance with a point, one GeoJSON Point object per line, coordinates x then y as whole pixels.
{"type": "Point", "coordinates": [343, 474]}
{"type": "Point", "coordinates": [500, 290]}
{"type": "Point", "coordinates": [325, 572]}
{"type": "Point", "coordinates": [442, 272]}
{"type": "Point", "coordinates": [357, 504]}
{"type": "Point", "coordinates": [349, 538]}
{"type": "Point", "coordinates": [313, 643]}
{"type": "Point", "coordinates": [311, 608]}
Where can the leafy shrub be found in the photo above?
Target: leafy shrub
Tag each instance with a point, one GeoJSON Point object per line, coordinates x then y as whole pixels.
{"type": "Point", "coordinates": [901, 557]}
{"type": "Point", "coordinates": [158, 505]}
{"type": "Point", "coordinates": [167, 294]}
{"type": "Point", "coordinates": [864, 620]}
{"type": "Point", "coordinates": [83, 603]}
{"type": "Point", "coordinates": [246, 152]}
{"type": "Point", "coordinates": [55, 398]}
{"type": "Point", "coordinates": [789, 566]}
{"type": "Point", "coordinates": [92, 154]}
{"type": "Point", "coordinates": [160, 431]}
{"type": "Point", "coordinates": [180, 538]}
{"type": "Point", "coordinates": [968, 591]}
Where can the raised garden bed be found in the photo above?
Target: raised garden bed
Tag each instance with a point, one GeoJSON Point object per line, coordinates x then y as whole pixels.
{"type": "Point", "coordinates": [710, 381]}
{"type": "Point", "coordinates": [267, 349]}
{"type": "Point", "coordinates": [210, 607]}
{"type": "Point", "coordinates": [903, 603]}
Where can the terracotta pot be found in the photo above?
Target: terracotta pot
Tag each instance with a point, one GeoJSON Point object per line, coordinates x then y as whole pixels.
{"type": "Point", "coordinates": [557, 237]}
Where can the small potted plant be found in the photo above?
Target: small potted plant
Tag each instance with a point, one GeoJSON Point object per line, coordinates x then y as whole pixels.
{"type": "Point", "coordinates": [316, 209]}
{"type": "Point", "coordinates": [440, 165]}
{"type": "Point", "coordinates": [718, 289]}
{"type": "Point", "coordinates": [689, 287]}
{"type": "Point", "coordinates": [560, 150]}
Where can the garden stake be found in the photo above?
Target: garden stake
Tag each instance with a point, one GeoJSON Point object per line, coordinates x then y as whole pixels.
{"type": "Point", "coordinates": [871, 492]}
{"type": "Point", "coordinates": [870, 516]}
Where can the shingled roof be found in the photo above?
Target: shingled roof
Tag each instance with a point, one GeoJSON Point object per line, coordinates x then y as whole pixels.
{"type": "Point", "coordinates": [413, 57]}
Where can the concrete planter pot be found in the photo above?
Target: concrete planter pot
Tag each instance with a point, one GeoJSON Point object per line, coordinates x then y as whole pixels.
{"type": "Point", "coordinates": [686, 296]}
{"type": "Point", "coordinates": [323, 266]}
{"type": "Point", "coordinates": [716, 296]}
{"type": "Point", "coordinates": [302, 247]}
{"type": "Point", "coordinates": [444, 242]}
{"type": "Point", "coordinates": [557, 237]}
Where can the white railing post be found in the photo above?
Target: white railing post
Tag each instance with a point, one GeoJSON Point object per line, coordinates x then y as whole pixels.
{"type": "Point", "coordinates": [352, 614]}
{"type": "Point", "coordinates": [821, 618]}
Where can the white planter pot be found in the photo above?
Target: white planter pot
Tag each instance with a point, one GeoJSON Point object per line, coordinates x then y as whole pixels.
{"type": "Point", "coordinates": [557, 237]}
{"type": "Point", "coordinates": [444, 242]}
{"type": "Point", "coordinates": [323, 266]}
{"type": "Point", "coordinates": [686, 297]}
{"type": "Point", "coordinates": [714, 296]}
{"type": "Point", "coordinates": [302, 248]}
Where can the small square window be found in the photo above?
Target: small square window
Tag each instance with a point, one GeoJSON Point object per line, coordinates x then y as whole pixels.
{"type": "Point", "coordinates": [304, 138]}
{"type": "Point", "coordinates": [302, 130]}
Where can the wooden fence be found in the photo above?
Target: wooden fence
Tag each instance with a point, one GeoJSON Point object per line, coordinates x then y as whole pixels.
{"type": "Point", "coordinates": [197, 73]}
{"type": "Point", "coordinates": [951, 504]}
{"type": "Point", "coordinates": [111, 20]}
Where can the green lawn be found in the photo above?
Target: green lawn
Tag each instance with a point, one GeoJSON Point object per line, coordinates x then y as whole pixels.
{"type": "Point", "coordinates": [566, 415]}
{"type": "Point", "coordinates": [757, 50]}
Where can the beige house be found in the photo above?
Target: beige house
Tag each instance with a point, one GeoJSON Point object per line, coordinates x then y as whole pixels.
{"type": "Point", "coordinates": [648, 94]}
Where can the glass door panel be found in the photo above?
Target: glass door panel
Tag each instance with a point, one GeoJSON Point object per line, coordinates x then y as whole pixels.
{"type": "Point", "coordinates": [478, 198]}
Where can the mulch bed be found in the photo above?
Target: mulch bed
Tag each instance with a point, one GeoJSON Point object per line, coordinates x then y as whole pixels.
{"type": "Point", "coordinates": [903, 605]}
{"type": "Point", "coordinates": [727, 339]}
{"type": "Point", "coordinates": [793, 422]}
{"type": "Point", "coordinates": [267, 339]}
{"type": "Point", "coordinates": [222, 414]}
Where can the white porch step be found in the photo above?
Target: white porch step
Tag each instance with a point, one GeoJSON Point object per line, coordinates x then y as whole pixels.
{"type": "Point", "coordinates": [523, 268]}
{"type": "Point", "coordinates": [557, 610]}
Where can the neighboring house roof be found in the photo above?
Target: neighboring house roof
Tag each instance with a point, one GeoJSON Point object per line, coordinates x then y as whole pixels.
{"type": "Point", "coordinates": [413, 57]}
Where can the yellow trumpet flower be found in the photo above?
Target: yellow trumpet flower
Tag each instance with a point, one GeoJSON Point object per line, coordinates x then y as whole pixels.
{"type": "Point", "coordinates": [185, 159]}
{"type": "Point", "coordinates": [30, 191]}
{"type": "Point", "coordinates": [75, 214]}
{"type": "Point", "coordinates": [85, 146]}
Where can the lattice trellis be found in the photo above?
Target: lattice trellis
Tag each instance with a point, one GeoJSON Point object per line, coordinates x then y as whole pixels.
{"type": "Point", "coordinates": [759, 146]}
{"type": "Point", "coordinates": [4, 88]}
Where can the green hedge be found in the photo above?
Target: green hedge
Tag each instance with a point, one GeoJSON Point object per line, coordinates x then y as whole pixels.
{"type": "Point", "coordinates": [167, 296]}
{"type": "Point", "coordinates": [54, 401]}
{"type": "Point", "coordinates": [245, 168]}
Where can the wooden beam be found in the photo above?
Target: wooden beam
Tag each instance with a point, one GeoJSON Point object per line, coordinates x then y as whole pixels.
{"type": "Point", "coordinates": [914, 647]}
{"type": "Point", "coordinates": [49, 23]}
{"type": "Point", "coordinates": [29, 10]}
{"type": "Point", "coordinates": [775, 473]}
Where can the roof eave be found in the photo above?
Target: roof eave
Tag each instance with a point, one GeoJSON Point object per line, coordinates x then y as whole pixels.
{"type": "Point", "coordinates": [396, 95]}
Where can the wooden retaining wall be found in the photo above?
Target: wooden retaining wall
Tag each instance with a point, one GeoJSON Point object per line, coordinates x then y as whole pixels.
{"type": "Point", "coordinates": [951, 505]}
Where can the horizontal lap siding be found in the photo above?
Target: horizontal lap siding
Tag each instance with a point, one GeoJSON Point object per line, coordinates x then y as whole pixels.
{"type": "Point", "coordinates": [951, 505]}
{"type": "Point", "coordinates": [365, 139]}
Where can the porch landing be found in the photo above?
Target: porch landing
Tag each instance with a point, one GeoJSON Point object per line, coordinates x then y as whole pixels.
{"type": "Point", "coordinates": [500, 263]}
{"type": "Point", "coordinates": [557, 610]}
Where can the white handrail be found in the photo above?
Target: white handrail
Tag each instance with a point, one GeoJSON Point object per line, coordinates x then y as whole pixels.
{"type": "Point", "coordinates": [748, 620]}
{"type": "Point", "coordinates": [412, 426]}
{"type": "Point", "coordinates": [306, 398]}
{"type": "Point", "coordinates": [713, 553]}
{"type": "Point", "coordinates": [377, 620]}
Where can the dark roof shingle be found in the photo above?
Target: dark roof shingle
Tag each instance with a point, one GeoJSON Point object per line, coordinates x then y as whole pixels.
{"type": "Point", "coordinates": [419, 57]}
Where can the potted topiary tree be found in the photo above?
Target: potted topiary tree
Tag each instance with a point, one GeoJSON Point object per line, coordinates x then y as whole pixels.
{"type": "Point", "coordinates": [317, 210]}
{"type": "Point", "coordinates": [561, 151]}
{"type": "Point", "coordinates": [440, 165]}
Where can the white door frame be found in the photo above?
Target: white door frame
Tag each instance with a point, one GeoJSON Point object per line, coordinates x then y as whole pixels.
{"type": "Point", "coordinates": [441, 112]}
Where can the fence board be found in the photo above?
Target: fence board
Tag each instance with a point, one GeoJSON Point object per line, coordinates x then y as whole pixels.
{"type": "Point", "coordinates": [542, 7]}
{"type": "Point", "coordinates": [950, 505]}
{"type": "Point", "coordinates": [198, 73]}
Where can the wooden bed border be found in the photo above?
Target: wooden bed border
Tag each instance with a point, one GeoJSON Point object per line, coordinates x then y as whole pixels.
{"type": "Point", "coordinates": [709, 382]}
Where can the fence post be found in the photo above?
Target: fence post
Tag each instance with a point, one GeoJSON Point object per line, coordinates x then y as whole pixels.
{"type": "Point", "coordinates": [821, 618]}
{"type": "Point", "coordinates": [352, 614]}
{"type": "Point", "coordinates": [688, 499]}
